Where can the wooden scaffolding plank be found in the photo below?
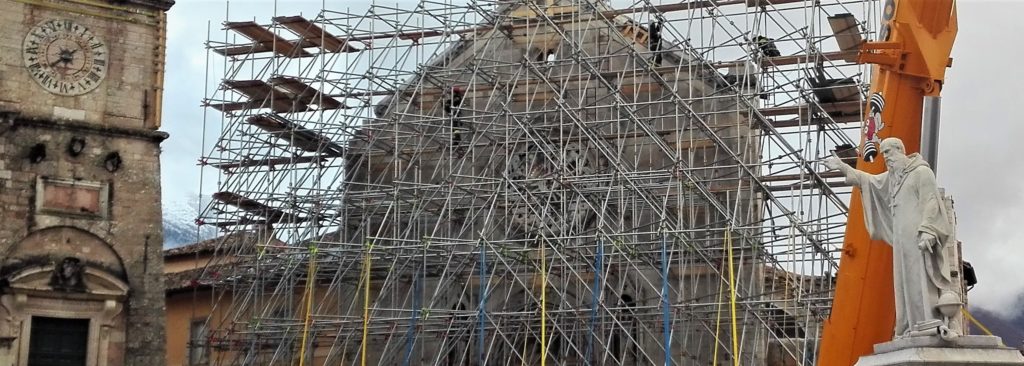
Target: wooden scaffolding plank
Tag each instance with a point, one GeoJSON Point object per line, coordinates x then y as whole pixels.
{"type": "Point", "coordinates": [805, 58]}
{"type": "Point", "coordinates": [266, 39]}
{"type": "Point", "coordinates": [244, 49]}
{"type": "Point", "coordinates": [296, 135]}
{"type": "Point", "coordinates": [230, 223]}
{"type": "Point", "coordinates": [286, 94]}
{"type": "Point", "coordinates": [798, 122]}
{"type": "Point", "coordinates": [847, 31]}
{"type": "Point", "coordinates": [251, 48]}
{"type": "Point", "coordinates": [839, 108]}
{"type": "Point", "coordinates": [258, 91]}
{"type": "Point", "coordinates": [254, 89]}
{"type": "Point", "coordinates": [270, 162]}
{"type": "Point", "coordinates": [305, 94]}
{"type": "Point", "coordinates": [310, 32]}
{"type": "Point", "coordinates": [254, 207]}
{"type": "Point", "coordinates": [229, 106]}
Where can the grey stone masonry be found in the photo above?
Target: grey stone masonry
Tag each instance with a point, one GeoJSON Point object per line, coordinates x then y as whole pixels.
{"type": "Point", "coordinates": [933, 351]}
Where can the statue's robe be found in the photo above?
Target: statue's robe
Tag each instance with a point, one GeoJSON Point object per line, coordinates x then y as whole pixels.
{"type": "Point", "coordinates": [898, 207]}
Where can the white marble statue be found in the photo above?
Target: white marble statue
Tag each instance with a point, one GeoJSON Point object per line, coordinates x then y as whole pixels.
{"type": "Point", "coordinates": [903, 207]}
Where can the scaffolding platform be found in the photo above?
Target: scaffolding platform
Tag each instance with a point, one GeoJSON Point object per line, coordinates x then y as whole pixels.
{"type": "Point", "coordinates": [566, 181]}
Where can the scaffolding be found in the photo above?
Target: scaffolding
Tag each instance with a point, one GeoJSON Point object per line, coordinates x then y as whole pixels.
{"type": "Point", "coordinates": [564, 182]}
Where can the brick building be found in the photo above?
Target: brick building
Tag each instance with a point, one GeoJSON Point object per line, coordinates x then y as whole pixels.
{"type": "Point", "coordinates": [80, 237]}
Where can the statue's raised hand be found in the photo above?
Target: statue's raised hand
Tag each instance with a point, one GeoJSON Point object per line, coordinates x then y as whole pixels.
{"type": "Point", "coordinates": [833, 162]}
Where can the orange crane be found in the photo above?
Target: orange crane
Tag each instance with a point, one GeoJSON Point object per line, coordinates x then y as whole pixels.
{"type": "Point", "coordinates": [910, 58]}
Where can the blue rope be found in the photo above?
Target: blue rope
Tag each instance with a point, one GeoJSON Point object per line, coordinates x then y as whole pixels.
{"type": "Point", "coordinates": [410, 336]}
{"type": "Point", "coordinates": [595, 301]}
{"type": "Point", "coordinates": [481, 311]}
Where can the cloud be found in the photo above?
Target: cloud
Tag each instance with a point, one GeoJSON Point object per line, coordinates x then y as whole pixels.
{"type": "Point", "coordinates": [979, 149]}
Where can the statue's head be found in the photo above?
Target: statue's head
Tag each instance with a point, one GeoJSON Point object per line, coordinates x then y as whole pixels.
{"type": "Point", "coordinates": [895, 154]}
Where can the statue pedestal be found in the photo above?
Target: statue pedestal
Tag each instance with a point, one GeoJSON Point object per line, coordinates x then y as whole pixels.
{"type": "Point", "coordinates": [932, 351]}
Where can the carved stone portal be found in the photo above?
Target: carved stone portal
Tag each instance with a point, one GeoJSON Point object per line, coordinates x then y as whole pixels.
{"type": "Point", "coordinates": [63, 274]}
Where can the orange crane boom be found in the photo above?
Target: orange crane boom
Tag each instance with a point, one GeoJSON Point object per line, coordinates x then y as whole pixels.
{"type": "Point", "coordinates": [910, 60]}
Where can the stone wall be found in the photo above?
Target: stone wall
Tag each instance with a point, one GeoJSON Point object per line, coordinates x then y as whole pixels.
{"type": "Point", "coordinates": [109, 192]}
{"type": "Point", "coordinates": [125, 98]}
{"type": "Point", "coordinates": [129, 221]}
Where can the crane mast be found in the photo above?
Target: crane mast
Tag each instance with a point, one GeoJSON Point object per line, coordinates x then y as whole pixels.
{"type": "Point", "coordinates": [910, 60]}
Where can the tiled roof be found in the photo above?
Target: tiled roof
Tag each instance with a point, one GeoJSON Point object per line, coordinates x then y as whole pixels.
{"type": "Point", "coordinates": [231, 244]}
{"type": "Point", "coordinates": [224, 243]}
{"type": "Point", "coordinates": [183, 280]}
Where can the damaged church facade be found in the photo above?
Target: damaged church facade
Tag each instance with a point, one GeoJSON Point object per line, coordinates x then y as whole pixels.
{"type": "Point", "coordinates": [554, 182]}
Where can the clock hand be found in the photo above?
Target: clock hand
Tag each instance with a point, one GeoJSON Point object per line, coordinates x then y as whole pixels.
{"type": "Point", "coordinates": [66, 56]}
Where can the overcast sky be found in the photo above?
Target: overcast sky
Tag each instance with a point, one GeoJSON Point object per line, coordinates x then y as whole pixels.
{"type": "Point", "coordinates": [981, 137]}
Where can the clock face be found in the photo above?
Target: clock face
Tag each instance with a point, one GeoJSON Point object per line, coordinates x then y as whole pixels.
{"type": "Point", "coordinates": [64, 57]}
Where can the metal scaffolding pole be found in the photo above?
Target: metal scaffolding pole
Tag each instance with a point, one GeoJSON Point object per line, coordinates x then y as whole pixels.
{"type": "Point", "coordinates": [565, 181]}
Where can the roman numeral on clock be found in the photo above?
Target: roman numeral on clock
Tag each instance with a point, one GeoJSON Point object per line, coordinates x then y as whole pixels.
{"type": "Point", "coordinates": [65, 57]}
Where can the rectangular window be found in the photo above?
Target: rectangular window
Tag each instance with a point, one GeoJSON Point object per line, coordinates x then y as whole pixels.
{"type": "Point", "coordinates": [197, 335]}
{"type": "Point", "coordinates": [58, 342]}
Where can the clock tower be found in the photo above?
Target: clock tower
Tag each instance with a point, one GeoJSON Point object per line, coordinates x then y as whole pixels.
{"type": "Point", "coordinates": [80, 217]}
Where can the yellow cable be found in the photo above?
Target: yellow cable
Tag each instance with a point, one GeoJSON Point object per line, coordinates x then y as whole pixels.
{"type": "Point", "coordinates": [732, 299]}
{"type": "Point", "coordinates": [307, 319]}
{"type": "Point", "coordinates": [543, 304]}
{"type": "Point", "coordinates": [366, 302]}
{"type": "Point", "coordinates": [975, 321]}
{"type": "Point", "coordinates": [718, 323]}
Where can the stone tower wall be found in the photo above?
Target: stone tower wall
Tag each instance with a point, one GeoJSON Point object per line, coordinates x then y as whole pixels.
{"type": "Point", "coordinates": [52, 204]}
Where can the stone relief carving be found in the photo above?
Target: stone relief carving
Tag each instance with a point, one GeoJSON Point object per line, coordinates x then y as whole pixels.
{"type": "Point", "coordinates": [67, 276]}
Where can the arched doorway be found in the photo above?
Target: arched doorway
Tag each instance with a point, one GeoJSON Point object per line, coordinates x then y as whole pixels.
{"type": "Point", "coordinates": [63, 294]}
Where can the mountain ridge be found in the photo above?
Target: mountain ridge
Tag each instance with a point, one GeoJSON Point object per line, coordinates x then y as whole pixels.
{"type": "Point", "coordinates": [179, 225]}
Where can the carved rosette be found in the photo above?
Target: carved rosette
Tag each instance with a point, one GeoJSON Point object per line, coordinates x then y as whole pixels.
{"type": "Point", "coordinates": [550, 179]}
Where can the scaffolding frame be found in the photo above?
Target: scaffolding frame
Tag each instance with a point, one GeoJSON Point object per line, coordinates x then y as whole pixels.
{"type": "Point", "coordinates": [598, 197]}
